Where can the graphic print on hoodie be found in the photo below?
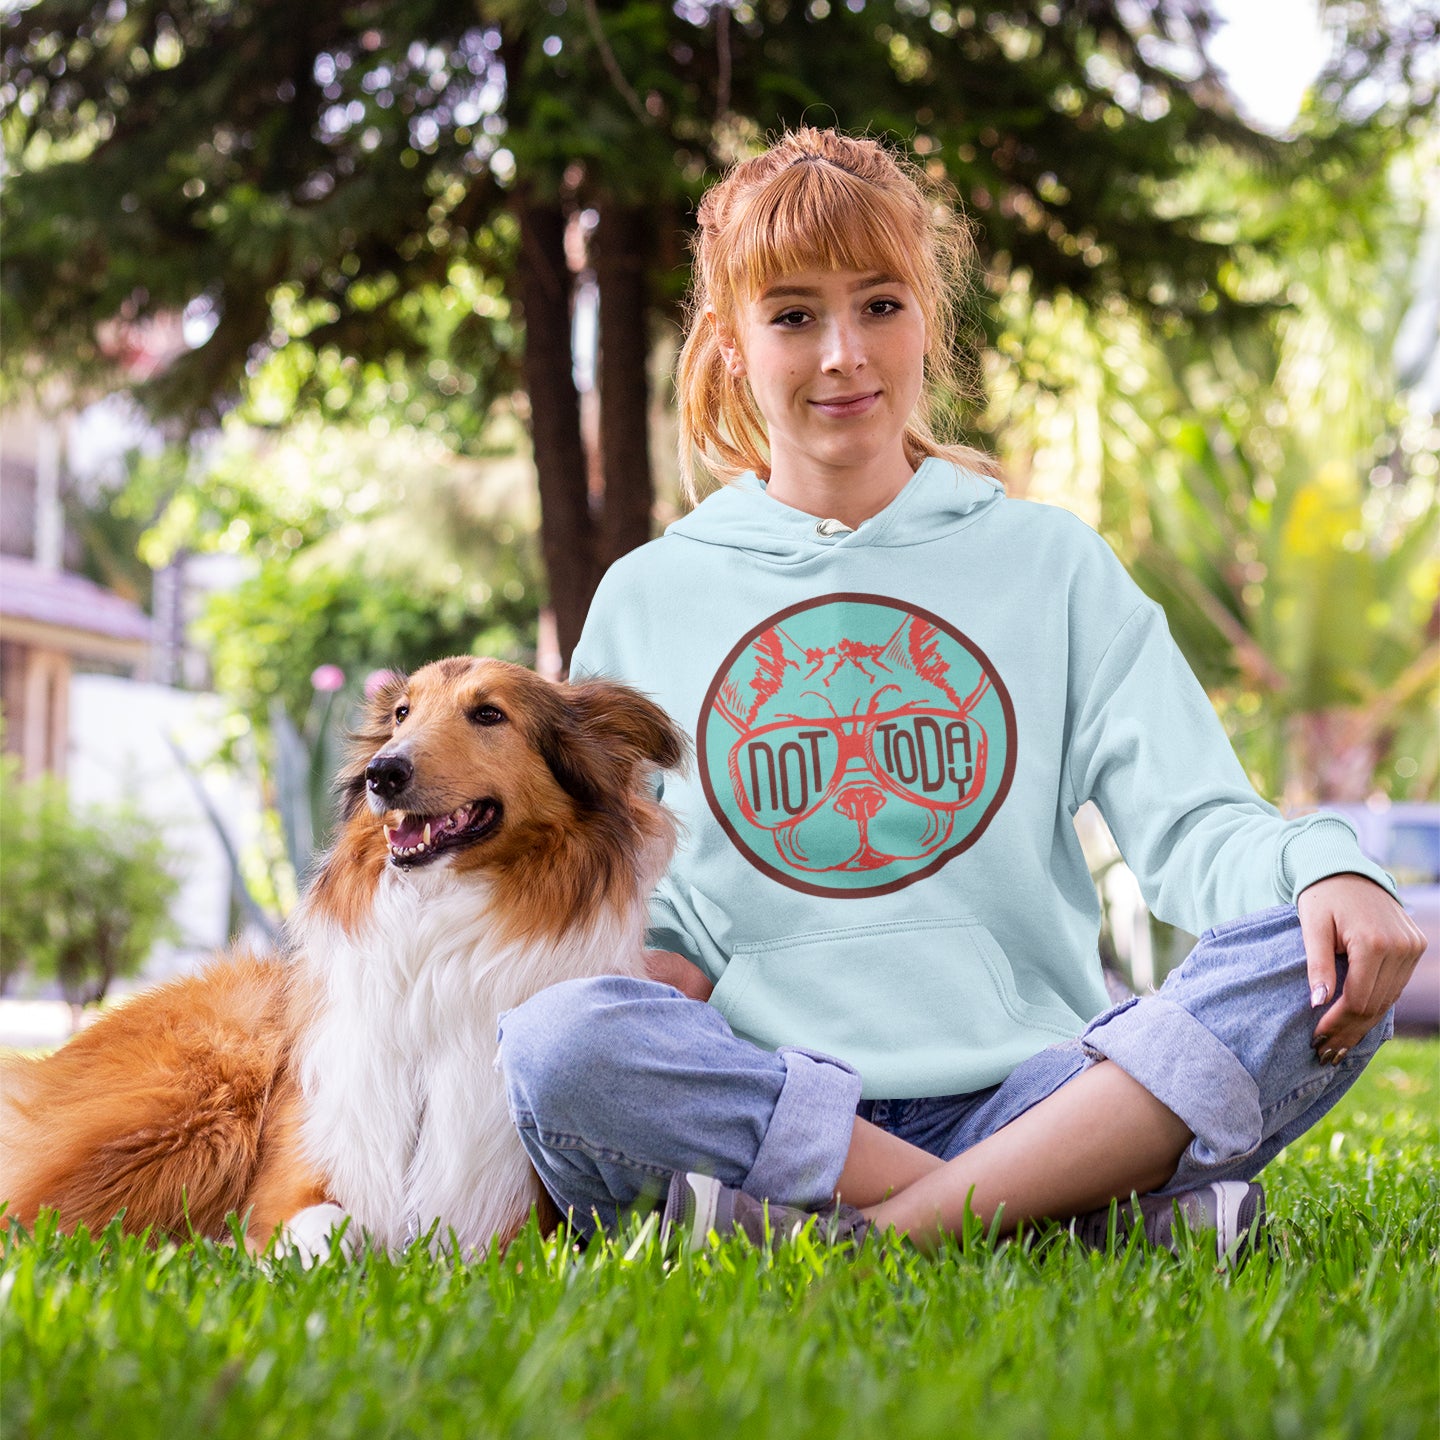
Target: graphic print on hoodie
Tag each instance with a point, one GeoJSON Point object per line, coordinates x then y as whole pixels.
{"type": "Point", "coordinates": [853, 744]}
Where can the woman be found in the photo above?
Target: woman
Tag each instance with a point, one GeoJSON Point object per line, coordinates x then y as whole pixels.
{"type": "Point", "coordinates": [902, 685]}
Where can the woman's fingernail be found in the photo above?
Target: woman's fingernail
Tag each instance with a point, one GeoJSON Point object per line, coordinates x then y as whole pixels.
{"type": "Point", "coordinates": [1319, 995]}
{"type": "Point", "coordinates": [1340, 1054]}
{"type": "Point", "coordinates": [1326, 1056]}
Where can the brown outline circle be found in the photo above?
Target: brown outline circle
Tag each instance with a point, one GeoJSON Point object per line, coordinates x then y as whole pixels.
{"type": "Point", "coordinates": [945, 856]}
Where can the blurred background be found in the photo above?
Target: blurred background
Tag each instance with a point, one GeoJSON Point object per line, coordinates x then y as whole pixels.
{"type": "Point", "coordinates": [339, 337]}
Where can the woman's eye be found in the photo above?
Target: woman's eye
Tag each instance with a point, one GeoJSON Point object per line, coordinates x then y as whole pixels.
{"type": "Point", "coordinates": [884, 307]}
{"type": "Point", "coordinates": [487, 715]}
{"type": "Point", "coordinates": [790, 319]}
{"type": "Point", "coordinates": [401, 711]}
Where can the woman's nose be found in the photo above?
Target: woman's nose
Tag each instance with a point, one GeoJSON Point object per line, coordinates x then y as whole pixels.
{"type": "Point", "coordinates": [844, 351]}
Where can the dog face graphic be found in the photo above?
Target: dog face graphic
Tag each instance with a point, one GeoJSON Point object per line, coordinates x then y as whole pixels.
{"type": "Point", "coordinates": [859, 743]}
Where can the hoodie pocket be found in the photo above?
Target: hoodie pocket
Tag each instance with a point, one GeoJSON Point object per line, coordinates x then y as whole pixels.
{"type": "Point", "coordinates": [919, 1007]}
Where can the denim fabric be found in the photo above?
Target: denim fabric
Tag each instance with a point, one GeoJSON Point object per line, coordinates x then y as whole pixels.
{"type": "Point", "coordinates": [615, 1083]}
{"type": "Point", "coordinates": [1226, 1045]}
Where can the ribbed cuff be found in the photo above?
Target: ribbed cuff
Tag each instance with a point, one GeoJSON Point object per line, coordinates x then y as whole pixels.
{"type": "Point", "coordinates": [1325, 846]}
{"type": "Point", "coordinates": [1186, 1068]}
{"type": "Point", "coordinates": [803, 1152]}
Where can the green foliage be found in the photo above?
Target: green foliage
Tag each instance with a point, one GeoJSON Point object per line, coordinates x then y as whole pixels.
{"type": "Point", "coordinates": [369, 549]}
{"type": "Point", "coordinates": [87, 892]}
{"type": "Point", "coordinates": [455, 348]}
{"type": "Point", "coordinates": [336, 183]}
{"type": "Point", "coordinates": [1271, 486]}
{"type": "Point", "coordinates": [1290, 529]}
{"type": "Point", "coordinates": [209, 155]}
{"type": "Point", "coordinates": [268, 635]}
{"type": "Point", "coordinates": [1333, 1334]}
{"type": "Point", "coordinates": [333, 190]}
{"type": "Point", "coordinates": [307, 758]}
{"type": "Point", "coordinates": [1319, 599]}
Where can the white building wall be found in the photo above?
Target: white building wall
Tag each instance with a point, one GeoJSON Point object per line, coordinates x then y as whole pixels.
{"type": "Point", "coordinates": [119, 751]}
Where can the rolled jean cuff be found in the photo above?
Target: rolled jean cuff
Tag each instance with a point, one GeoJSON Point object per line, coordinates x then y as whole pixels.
{"type": "Point", "coordinates": [803, 1152]}
{"type": "Point", "coordinates": [1186, 1068]}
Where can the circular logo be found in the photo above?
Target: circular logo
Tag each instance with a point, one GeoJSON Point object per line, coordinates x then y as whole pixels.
{"type": "Point", "coordinates": [853, 744]}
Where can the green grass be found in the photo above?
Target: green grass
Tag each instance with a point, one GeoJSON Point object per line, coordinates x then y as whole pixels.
{"type": "Point", "coordinates": [1334, 1334]}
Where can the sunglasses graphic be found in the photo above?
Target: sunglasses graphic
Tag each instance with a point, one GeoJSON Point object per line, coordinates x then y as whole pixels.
{"type": "Point", "coordinates": [924, 755]}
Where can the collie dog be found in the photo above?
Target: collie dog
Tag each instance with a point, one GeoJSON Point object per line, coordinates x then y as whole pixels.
{"type": "Point", "coordinates": [501, 833]}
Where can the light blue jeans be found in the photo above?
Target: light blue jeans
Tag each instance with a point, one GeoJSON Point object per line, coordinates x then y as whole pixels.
{"type": "Point", "coordinates": [614, 1084]}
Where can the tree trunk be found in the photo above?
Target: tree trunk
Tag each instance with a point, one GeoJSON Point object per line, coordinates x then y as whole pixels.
{"type": "Point", "coordinates": [567, 528]}
{"type": "Point", "coordinates": [621, 254]}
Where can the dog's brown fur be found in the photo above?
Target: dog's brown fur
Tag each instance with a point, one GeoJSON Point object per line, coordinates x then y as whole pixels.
{"type": "Point", "coordinates": [185, 1105]}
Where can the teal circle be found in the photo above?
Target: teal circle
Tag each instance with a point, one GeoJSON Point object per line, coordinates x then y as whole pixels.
{"type": "Point", "coordinates": [853, 744]}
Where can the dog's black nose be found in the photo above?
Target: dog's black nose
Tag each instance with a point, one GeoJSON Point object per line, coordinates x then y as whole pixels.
{"type": "Point", "coordinates": [388, 775]}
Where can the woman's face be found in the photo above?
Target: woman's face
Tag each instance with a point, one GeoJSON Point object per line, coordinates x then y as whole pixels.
{"type": "Point", "coordinates": [835, 360]}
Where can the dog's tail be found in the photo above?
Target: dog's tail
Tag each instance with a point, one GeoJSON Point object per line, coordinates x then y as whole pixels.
{"type": "Point", "coordinates": [157, 1110]}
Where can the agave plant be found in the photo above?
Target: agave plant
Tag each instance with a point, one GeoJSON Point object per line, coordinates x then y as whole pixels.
{"type": "Point", "coordinates": [1306, 599]}
{"type": "Point", "coordinates": [1271, 485]}
{"type": "Point", "coordinates": [306, 758]}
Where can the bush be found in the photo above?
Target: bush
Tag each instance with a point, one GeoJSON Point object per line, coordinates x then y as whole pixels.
{"type": "Point", "coordinates": [86, 893]}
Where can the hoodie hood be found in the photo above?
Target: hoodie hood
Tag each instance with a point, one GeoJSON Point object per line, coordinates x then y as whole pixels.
{"type": "Point", "coordinates": [939, 498]}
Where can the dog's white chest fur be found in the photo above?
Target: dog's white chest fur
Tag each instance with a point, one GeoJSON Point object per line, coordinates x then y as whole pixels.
{"type": "Point", "coordinates": [405, 1111]}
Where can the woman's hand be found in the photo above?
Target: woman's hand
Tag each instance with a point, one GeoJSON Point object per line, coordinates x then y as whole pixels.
{"type": "Point", "coordinates": [671, 969]}
{"type": "Point", "coordinates": [1352, 916]}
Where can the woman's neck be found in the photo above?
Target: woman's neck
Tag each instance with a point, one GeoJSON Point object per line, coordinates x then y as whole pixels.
{"type": "Point", "coordinates": [850, 496]}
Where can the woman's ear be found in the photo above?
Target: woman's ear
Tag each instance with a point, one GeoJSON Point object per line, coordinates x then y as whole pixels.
{"type": "Point", "coordinates": [729, 347]}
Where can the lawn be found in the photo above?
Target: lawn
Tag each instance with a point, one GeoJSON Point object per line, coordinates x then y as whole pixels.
{"type": "Point", "coordinates": [1335, 1333]}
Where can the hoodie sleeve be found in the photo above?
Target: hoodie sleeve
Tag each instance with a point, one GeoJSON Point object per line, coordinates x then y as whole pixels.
{"type": "Point", "coordinates": [1150, 751]}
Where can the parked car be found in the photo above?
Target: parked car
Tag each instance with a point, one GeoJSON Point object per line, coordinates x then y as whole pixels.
{"type": "Point", "coordinates": [1404, 837]}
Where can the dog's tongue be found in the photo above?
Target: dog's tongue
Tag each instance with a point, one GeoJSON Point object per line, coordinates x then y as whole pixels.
{"type": "Point", "coordinates": [418, 831]}
{"type": "Point", "coordinates": [408, 832]}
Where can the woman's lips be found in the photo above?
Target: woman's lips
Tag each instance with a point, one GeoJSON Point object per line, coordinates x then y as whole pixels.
{"type": "Point", "coordinates": [846, 405]}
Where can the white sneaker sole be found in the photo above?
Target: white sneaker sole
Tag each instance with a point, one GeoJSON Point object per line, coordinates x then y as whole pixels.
{"type": "Point", "coordinates": [1230, 1234]}
{"type": "Point", "coordinates": [706, 1191]}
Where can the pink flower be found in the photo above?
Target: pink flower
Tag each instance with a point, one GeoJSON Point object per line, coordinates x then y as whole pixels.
{"type": "Point", "coordinates": [327, 678]}
{"type": "Point", "coordinates": [376, 681]}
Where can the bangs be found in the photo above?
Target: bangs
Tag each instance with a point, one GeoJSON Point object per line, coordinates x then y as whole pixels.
{"type": "Point", "coordinates": [817, 216]}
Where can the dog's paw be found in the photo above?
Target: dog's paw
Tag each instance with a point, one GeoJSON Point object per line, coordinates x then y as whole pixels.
{"type": "Point", "coordinates": [317, 1233]}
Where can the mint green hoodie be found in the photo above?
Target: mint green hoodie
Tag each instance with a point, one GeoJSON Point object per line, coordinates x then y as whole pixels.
{"type": "Point", "coordinates": [894, 728]}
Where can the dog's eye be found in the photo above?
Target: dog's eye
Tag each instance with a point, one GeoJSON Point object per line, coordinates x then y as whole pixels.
{"type": "Point", "coordinates": [487, 715]}
{"type": "Point", "coordinates": [401, 711]}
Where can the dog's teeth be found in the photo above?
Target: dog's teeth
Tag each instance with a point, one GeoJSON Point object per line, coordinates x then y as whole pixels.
{"type": "Point", "coordinates": [425, 839]}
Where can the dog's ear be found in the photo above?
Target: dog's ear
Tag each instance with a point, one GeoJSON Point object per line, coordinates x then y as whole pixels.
{"type": "Point", "coordinates": [377, 724]}
{"type": "Point", "coordinates": [595, 736]}
{"type": "Point", "coordinates": [638, 729]}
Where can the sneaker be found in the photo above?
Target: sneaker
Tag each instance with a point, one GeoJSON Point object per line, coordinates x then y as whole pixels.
{"type": "Point", "coordinates": [698, 1204]}
{"type": "Point", "coordinates": [1233, 1210]}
